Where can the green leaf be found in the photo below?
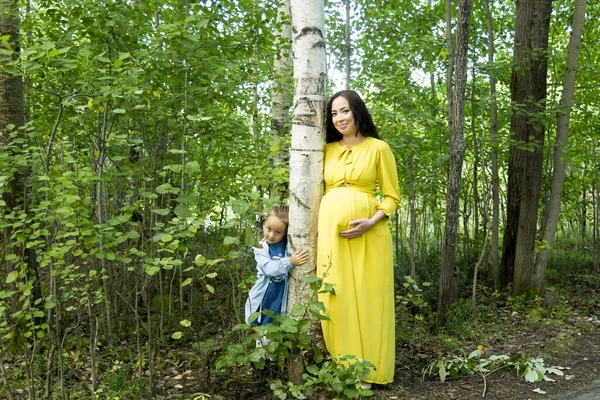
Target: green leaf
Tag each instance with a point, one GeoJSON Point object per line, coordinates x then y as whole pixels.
{"type": "Point", "coordinates": [161, 211]}
{"type": "Point", "coordinates": [5, 293]}
{"type": "Point", "coordinates": [177, 335]}
{"type": "Point", "coordinates": [49, 304]}
{"type": "Point", "coordinates": [12, 276]}
{"type": "Point", "coordinates": [304, 325]}
{"type": "Point", "coordinates": [183, 212]}
{"type": "Point", "coordinates": [555, 371]}
{"type": "Point", "coordinates": [229, 240]}
{"type": "Point", "coordinates": [210, 288]}
{"type": "Point", "coordinates": [317, 355]}
{"type": "Point", "coordinates": [192, 167]}
{"type": "Point", "coordinates": [166, 238]}
{"type": "Point", "coordinates": [185, 323]}
{"type": "Point", "coordinates": [443, 373]}
{"type": "Point", "coordinates": [10, 257]}
{"type": "Point", "coordinates": [48, 45]}
{"type": "Point", "coordinates": [289, 325]}
{"type": "Point", "coordinates": [164, 188]}
{"type": "Point", "coordinates": [186, 282]}
{"type": "Point", "coordinates": [532, 375]}
{"type": "Point", "coordinates": [10, 69]}
{"type": "Point", "coordinates": [118, 111]}
{"type": "Point", "coordinates": [297, 310]}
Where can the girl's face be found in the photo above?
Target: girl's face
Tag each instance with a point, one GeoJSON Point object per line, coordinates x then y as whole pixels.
{"type": "Point", "coordinates": [342, 116]}
{"type": "Point", "coordinates": [274, 230]}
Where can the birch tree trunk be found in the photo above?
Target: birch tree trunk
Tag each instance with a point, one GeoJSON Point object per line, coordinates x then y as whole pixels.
{"type": "Point", "coordinates": [306, 153]}
{"type": "Point", "coordinates": [448, 268]}
{"type": "Point", "coordinates": [560, 145]}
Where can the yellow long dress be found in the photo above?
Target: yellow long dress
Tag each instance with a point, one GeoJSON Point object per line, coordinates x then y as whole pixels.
{"type": "Point", "coordinates": [362, 318]}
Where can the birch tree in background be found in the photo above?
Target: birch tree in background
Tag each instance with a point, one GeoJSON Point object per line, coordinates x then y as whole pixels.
{"type": "Point", "coordinates": [308, 121]}
{"type": "Point", "coordinates": [562, 137]}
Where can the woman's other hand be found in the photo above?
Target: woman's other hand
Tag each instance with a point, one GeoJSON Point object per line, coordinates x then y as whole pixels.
{"type": "Point", "coordinates": [299, 258]}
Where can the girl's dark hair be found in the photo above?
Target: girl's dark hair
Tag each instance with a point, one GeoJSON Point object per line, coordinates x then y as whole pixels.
{"type": "Point", "coordinates": [362, 118]}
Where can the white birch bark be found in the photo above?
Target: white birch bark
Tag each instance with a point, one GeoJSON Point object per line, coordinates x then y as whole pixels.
{"type": "Point", "coordinates": [306, 152]}
{"type": "Point", "coordinates": [560, 145]}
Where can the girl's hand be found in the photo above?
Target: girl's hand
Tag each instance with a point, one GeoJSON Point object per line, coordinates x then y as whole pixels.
{"type": "Point", "coordinates": [359, 226]}
{"type": "Point", "coordinates": [299, 258]}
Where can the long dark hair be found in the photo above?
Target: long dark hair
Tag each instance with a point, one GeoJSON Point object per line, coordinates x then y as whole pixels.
{"type": "Point", "coordinates": [362, 118]}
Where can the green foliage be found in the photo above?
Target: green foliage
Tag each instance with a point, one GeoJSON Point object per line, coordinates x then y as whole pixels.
{"type": "Point", "coordinates": [288, 338]}
{"type": "Point", "coordinates": [341, 377]}
{"type": "Point", "coordinates": [117, 385]}
{"type": "Point", "coordinates": [531, 369]}
{"type": "Point", "coordinates": [414, 311]}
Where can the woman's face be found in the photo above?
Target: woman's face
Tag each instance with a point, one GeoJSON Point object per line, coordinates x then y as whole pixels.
{"type": "Point", "coordinates": [342, 116]}
{"type": "Point", "coordinates": [274, 230]}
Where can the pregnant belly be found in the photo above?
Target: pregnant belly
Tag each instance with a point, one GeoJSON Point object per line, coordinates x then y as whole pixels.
{"type": "Point", "coordinates": [340, 206]}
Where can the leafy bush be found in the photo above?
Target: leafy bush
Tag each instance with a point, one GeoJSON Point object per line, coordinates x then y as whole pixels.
{"type": "Point", "coordinates": [413, 311]}
{"type": "Point", "coordinates": [288, 338]}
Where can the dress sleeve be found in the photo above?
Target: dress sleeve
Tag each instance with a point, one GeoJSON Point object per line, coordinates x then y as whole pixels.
{"type": "Point", "coordinates": [387, 176]}
{"type": "Point", "coordinates": [269, 267]}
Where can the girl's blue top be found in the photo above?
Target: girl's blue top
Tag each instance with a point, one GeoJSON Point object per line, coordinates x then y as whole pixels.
{"type": "Point", "coordinates": [270, 289]}
{"type": "Point", "coordinates": [276, 289]}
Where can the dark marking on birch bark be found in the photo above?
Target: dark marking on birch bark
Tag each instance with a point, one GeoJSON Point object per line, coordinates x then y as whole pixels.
{"type": "Point", "coordinates": [299, 201]}
{"type": "Point", "coordinates": [309, 30]}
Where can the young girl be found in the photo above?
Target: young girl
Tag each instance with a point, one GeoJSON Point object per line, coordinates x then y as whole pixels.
{"type": "Point", "coordinates": [271, 289]}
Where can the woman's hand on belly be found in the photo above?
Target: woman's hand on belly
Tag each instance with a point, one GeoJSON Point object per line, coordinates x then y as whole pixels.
{"type": "Point", "coordinates": [361, 225]}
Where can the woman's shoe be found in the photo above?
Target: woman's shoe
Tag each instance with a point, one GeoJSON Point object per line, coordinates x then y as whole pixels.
{"type": "Point", "coordinates": [365, 385]}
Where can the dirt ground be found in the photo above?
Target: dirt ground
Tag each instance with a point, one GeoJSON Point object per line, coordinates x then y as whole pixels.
{"type": "Point", "coordinates": [575, 347]}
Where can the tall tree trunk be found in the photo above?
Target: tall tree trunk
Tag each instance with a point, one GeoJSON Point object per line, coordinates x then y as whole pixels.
{"type": "Point", "coordinates": [12, 104]}
{"type": "Point", "coordinates": [528, 93]}
{"type": "Point", "coordinates": [596, 228]}
{"type": "Point", "coordinates": [306, 153]}
{"type": "Point", "coordinates": [280, 98]}
{"type": "Point", "coordinates": [475, 158]}
{"type": "Point", "coordinates": [494, 137]}
{"type": "Point", "coordinates": [560, 145]}
{"type": "Point", "coordinates": [411, 204]}
{"type": "Point", "coordinates": [449, 269]}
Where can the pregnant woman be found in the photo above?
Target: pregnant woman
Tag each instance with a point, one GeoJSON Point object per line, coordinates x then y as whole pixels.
{"type": "Point", "coordinates": [355, 244]}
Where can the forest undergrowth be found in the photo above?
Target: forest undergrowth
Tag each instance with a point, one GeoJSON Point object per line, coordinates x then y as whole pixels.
{"type": "Point", "coordinates": [501, 347]}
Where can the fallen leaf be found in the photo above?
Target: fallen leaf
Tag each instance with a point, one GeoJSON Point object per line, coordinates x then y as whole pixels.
{"type": "Point", "coordinates": [540, 391]}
